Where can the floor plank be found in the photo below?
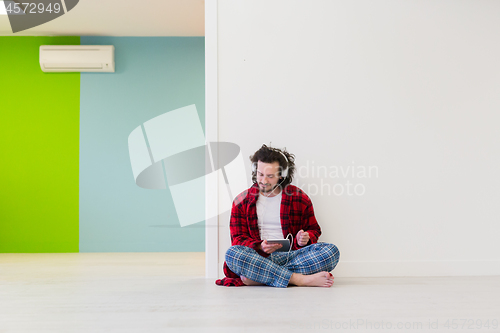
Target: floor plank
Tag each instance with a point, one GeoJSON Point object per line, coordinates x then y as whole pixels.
{"type": "Point", "coordinates": [160, 292]}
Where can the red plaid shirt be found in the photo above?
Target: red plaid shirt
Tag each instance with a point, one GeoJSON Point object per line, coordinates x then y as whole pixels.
{"type": "Point", "coordinates": [296, 213]}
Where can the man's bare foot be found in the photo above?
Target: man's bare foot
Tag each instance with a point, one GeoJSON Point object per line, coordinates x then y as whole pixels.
{"type": "Point", "coordinates": [249, 282]}
{"type": "Point", "coordinates": [321, 279]}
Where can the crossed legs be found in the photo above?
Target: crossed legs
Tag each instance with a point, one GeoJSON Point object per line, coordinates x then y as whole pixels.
{"type": "Point", "coordinates": [308, 266]}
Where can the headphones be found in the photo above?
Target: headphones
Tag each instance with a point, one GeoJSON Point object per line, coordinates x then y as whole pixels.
{"type": "Point", "coordinates": [284, 173]}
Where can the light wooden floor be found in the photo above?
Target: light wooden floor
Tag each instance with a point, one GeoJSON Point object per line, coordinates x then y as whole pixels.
{"type": "Point", "coordinates": [167, 292]}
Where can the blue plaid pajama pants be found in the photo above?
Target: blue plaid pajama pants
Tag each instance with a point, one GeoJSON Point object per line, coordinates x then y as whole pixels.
{"type": "Point", "coordinates": [276, 270]}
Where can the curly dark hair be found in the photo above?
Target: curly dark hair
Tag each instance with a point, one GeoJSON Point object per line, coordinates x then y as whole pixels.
{"type": "Point", "coordinates": [269, 155]}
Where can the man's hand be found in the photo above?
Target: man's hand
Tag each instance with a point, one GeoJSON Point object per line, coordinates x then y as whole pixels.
{"type": "Point", "coordinates": [269, 248]}
{"type": "Point", "coordinates": [302, 238]}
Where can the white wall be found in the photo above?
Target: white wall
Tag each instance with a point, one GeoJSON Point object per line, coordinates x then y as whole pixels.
{"type": "Point", "coordinates": [411, 88]}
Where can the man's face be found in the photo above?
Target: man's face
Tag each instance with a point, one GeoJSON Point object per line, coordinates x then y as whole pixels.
{"type": "Point", "coordinates": [268, 176]}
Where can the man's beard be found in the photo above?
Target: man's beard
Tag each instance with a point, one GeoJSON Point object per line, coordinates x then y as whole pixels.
{"type": "Point", "coordinates": [263, 190]}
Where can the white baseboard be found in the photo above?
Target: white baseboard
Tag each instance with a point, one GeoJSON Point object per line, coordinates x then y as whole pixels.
{"type": "Point", "coordinates": [417, 268]}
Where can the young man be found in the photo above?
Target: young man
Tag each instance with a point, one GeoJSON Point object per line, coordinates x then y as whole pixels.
{"type": "Point", "coordinates": [274, 209]}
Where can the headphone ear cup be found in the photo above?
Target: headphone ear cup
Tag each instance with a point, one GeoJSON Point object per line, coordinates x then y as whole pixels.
{"type": "Point", "coordinates": [284, 173]}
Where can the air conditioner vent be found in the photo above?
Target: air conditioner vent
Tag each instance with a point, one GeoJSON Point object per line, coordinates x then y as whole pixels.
{"type": "Point", "coordinates": [77, 58]}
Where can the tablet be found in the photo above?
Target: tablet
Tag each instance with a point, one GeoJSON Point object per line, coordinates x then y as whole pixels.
{"type": "Point", "coordinates": [284, 242]}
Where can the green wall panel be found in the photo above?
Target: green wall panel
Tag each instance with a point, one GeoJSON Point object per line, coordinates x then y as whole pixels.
{"type": "Point", "coordinates": [39, 118]}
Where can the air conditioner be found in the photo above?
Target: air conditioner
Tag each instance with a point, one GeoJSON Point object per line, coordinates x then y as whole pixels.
{"type": "Point", "coordinates": [77, 58]}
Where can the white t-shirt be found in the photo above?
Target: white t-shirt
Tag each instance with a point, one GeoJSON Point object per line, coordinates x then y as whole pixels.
{"type": "Point", "coordinates": [268, 214]}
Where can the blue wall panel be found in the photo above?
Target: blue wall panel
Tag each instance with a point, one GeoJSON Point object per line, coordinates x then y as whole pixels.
{"type": "Point", "coordinates": [153, 75]}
